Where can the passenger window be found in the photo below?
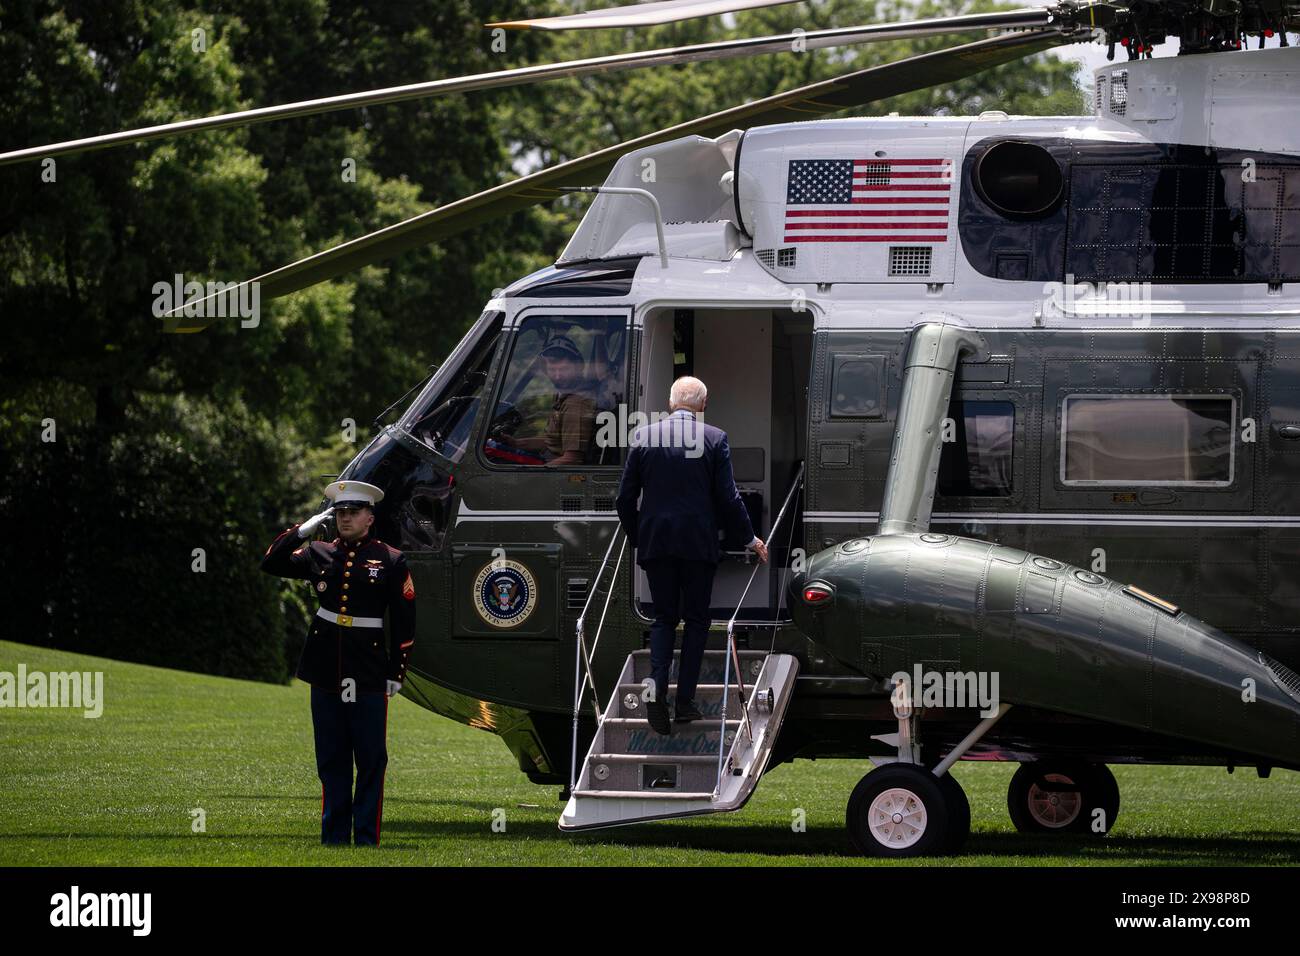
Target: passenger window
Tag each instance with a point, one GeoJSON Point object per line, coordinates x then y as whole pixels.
{"type": "Point", "coordinates": [977, 462]}
{"type": "Point", "coordinates": [563, 386]}
{"type": "Point", "coordinates": [1166, 440]}
{"type": "Point", "coordinates": [443, 416]}
{"type": "Point", "coordinates": [857, 386]}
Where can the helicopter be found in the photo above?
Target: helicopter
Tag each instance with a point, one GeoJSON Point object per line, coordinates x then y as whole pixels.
{"type": "Point", "coordinates": [1015, 401]}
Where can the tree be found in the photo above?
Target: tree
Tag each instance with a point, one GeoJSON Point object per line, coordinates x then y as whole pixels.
{"type": "Point", "coordinates": [174, 451]}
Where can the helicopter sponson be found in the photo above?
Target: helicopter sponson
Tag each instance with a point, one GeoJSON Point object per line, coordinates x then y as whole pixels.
{"type": "Point", "coordinates": [1058, 637]}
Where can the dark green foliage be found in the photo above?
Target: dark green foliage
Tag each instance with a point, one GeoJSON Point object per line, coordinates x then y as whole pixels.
{"type": "Point", "coordinates": [106, 533]}
{"type": "Point", "coordinates": [218, 440]}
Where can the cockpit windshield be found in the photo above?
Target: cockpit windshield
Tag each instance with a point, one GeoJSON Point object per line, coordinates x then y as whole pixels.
{"type": "Point", "coordinates": [443, 416]}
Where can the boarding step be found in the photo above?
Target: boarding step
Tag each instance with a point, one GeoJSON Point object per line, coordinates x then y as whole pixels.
{"type": "Point", "coordinates": [702, 795]}
{"type": "Point", "coordinates": [632, 699]}
{"type": "Point", "coordinates": [712, 667]}
{"type": "Point", "coordinates": [633, 735]}
{"type": "Point", "coordinates": [655, 773]}
{"type": "Point", "coordinates": [632, 773]}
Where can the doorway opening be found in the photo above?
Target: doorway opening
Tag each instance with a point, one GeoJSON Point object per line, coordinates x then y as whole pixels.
{"type": "Point", "coordinates": [755, 363]}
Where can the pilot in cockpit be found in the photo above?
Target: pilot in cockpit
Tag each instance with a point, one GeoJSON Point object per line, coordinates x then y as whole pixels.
{"type": "Point", "coordinates": [571, 424]}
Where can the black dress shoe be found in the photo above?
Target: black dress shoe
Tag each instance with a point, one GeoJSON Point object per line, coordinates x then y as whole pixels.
{"type": "Point", "coordinates": [687, 711]}
{"type": "Point", "coordinates": [656, 712]}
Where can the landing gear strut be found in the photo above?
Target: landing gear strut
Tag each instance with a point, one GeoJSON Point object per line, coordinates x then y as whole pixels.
{"type": "Point", "coordinates": [904, 808]}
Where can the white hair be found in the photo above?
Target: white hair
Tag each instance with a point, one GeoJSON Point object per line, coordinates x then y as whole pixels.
{"type": "Point", "coordinates": [687, 392]}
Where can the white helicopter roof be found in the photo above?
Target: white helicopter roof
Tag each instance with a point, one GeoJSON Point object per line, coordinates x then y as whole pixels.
{"type": "Point", "coordinates": [731, 240]}
{"type": "Point", "coordinates": [777, 189]}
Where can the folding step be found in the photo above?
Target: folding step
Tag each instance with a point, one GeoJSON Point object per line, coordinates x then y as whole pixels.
{"type": "Point", "coordinates": [632, 773]}
{"type": "Point", "coordinates": [711, 668]}
{"type": "Point", "coordinates": [708, 699]}
{"type": "Point", "coordinates": [634, 735]}
{"type": "Point", "coordinates": [670, 773]}
{"type": "Point", "coordinates": [703, 795]}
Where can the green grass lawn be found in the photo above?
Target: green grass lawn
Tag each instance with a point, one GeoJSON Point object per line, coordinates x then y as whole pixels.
{"type": "Point", "coordinates": [119, 790]}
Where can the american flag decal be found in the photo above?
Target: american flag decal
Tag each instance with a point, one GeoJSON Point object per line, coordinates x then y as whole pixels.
{"type": "Point", "coordinates": [868, 200]}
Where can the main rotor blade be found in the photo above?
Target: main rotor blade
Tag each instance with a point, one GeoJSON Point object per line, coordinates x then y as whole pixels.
{"type": "Point", "coordinates": [805, 103]}
{"type": "Point", "coordinates": [749, 46]}
{"type": "Point", "coordinates": [639, 14]}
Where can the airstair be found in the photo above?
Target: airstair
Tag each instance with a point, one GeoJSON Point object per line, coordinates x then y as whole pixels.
{"type": "Point", "coordinates": [633, 774]}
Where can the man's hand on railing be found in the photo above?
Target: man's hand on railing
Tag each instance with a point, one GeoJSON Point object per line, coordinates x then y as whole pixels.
{"type": "Point", "coordinates": [759, 548]}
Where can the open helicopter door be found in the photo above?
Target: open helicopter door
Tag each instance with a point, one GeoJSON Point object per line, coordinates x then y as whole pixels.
{"type": "Point", "coordinates": [755, 362]}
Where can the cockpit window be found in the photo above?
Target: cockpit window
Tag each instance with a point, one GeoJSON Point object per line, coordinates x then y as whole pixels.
{"type": "Point", "coordinates": [566, 377]}
{"type": "Point", "coordinates": [444, 414]}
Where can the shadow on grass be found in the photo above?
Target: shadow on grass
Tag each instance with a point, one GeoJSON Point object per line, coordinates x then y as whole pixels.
{"type": "Point", "coordinates": [1255, 848]}
{"type": "Point", "coordinates": [310, 799]}
{"type": "Point", "coordinates": [728, 839]}
{"type": "Point", "coordinates": [1246, 849]}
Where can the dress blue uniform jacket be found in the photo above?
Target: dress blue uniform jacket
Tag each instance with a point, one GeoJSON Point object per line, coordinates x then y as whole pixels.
{"type": "Point", "coordinates": [685, 499]}
{"type": "Point", "coordinates": [362, 580]}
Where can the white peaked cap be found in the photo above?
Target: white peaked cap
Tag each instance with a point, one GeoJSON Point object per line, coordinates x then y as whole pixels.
{"type": "Point", "coordinates": [353, 493]}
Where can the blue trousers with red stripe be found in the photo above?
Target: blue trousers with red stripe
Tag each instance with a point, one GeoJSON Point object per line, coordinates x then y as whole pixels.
{"type": "Point", "coordinates": [348, 732]}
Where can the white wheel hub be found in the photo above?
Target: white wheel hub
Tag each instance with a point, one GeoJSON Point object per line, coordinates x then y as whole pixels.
{"type": "Point", "coordinates": [897, 818]}
{"type": "Point", "coordinates": [1054, 809]}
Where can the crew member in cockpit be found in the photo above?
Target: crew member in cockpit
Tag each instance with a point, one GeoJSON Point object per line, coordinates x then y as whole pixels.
{"type": "Point", "coordinates": [572, 421]}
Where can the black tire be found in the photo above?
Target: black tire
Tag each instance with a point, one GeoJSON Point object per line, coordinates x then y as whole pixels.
{"type": "Point", "coordinates": [921, 818]}
{"type": "Point", "coordinates": [1055, 796]}
{"type": "Point", "coordinates": [958, 813]}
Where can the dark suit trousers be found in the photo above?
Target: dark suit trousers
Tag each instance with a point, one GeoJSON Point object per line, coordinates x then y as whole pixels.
{"type": "Point", "coordinates": [680, 589]}
{"type": "Point", "coordinates": [346, 731]}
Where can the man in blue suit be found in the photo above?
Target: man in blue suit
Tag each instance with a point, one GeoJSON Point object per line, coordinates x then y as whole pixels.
{"type": "Point", "coordinates": [681, 468]}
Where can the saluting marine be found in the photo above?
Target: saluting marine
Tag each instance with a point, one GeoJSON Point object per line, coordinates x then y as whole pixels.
{"type": "Point", "coordinates": [352, 669]}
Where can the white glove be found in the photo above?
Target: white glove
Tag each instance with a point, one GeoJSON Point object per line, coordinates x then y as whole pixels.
{"type": "Point", "coordinates": [308, 527]}
{"type": "Point", "coordinates": [394, 687]}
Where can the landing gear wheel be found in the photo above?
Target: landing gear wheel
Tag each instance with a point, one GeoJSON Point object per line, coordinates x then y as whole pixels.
{"type": "Point", "coordinates": [958, 813]}
{"type": "Point", "coordinates": [1053, 796]}
{"type": "Point", "coordinates": [901, 810]}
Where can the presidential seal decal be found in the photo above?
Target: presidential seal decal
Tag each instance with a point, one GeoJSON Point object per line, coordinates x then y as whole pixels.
{"type": "Point", "coordinates": [505, 593]}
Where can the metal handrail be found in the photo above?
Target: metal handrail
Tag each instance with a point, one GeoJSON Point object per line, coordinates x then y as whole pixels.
{"type": "Point", "coordinates": [780, 588]}
{"type": "Point", "coordinates": [732, 653]}
{"type": "Point", "coordinates": [581, 656]}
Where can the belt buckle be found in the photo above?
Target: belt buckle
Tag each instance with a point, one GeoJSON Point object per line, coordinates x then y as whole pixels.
{"type": "Point", "coordinates": [345, 620]}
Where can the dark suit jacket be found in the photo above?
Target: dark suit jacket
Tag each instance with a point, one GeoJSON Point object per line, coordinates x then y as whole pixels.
{"type": "Point", "coordinates": [684, 499]}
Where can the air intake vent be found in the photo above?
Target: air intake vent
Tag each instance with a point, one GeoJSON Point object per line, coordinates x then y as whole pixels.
{"type": "Point", "coordinates": [910, 260]}
{"type": "Point", "coordinates": [576, 593]}
{"type": "Point", "coordinates": [786, 258]}
{"type": "Point", "coordinates": [1119, 92]}
{"type": "Point", "coordinates": [873, 174]}
{"type": "Point", "coordinates": [767, 257]}
{"type": "Point", "coordinates": [1099, 95]}
{"type": "Point", "coordinates": [1284, 676]}
{"type": "Point", "coordinates": [603, 503]}
{"type": "Point", "coordinates": [571, 503]}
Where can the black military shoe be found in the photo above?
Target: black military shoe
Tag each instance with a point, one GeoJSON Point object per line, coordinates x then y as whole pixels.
{"type": "Point", "coordinates": [686, 711]}
{"type": "Point", "coordinates": [656, 713]}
